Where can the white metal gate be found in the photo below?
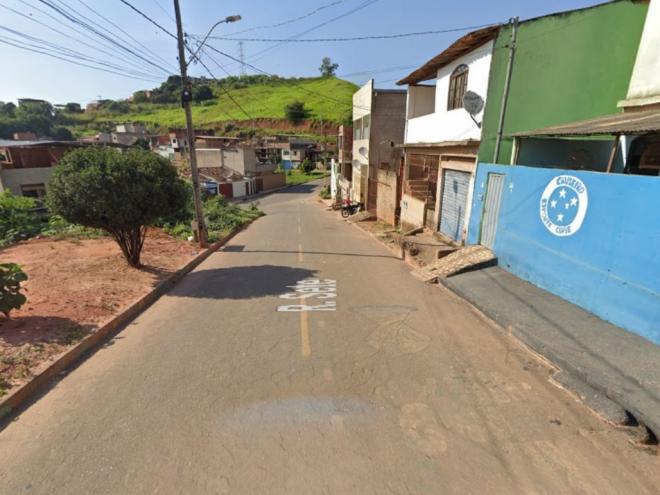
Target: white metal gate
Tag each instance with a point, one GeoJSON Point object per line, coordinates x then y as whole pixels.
{"type": "Point", "coordinates": [455, 189]}
{"type": "Point", "coordinates": [494, 188]}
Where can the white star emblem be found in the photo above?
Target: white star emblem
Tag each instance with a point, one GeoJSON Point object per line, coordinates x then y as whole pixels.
{"type": "Point", "coordinates": [574, 201]}
{"type": "Point", "coordinates": [567, 206]}
{"type": "Point", "coordinates": [560, 217]}
{"type": "Point", "coordinates": [553, 204]}
{"type": "Point", "coordinates": [562, 193]}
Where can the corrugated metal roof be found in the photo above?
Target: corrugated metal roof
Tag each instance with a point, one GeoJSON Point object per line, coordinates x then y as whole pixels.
{"type": "Point", "coordinates": [620, 123]}
{"type": "Point", "coordinates": [457, 49]}
{"type": "Point", "coordinates": [12, 143]}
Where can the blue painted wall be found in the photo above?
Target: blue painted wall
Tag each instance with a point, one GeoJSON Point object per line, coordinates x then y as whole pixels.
{"type": "Point", "coordinates": [610, 266]}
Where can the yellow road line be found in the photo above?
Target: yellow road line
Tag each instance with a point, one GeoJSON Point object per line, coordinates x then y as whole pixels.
{"type": "Point", "coordinates": [305, 346]}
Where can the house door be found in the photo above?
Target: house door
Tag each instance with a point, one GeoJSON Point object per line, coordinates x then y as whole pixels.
{"type": "Point", "coordinates": [455, 189]}
{"type": "Point", "coordinates": [491, 214]}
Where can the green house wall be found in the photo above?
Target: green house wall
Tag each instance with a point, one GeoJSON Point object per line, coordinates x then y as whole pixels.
{"type": "Point", "coordinates": [568, 67]}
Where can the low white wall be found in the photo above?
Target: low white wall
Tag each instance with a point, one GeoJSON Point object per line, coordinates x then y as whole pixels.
{"type": "Point", "coordinates": [239, 188]}
{"type": "Point", "coordinates": [412, 212]}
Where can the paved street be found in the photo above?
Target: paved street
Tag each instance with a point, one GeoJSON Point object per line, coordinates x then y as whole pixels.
{"type": "Point", "coordinates": [392, 386]}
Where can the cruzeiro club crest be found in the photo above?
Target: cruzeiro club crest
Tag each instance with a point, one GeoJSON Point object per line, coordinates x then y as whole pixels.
{"type": "Point", "coordinates": [564, 205]}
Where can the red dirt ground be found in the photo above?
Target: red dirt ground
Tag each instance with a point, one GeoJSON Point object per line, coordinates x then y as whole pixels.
{"type": "Point", "coordinates": [73, 287]}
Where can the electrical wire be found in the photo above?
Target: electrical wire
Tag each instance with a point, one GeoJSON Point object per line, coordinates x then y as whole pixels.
{"type": "Point", "coordinates": [23, 47]}
{"type": "Point", "coordinates": [75, 20]}
{"type": "Point", "coordinates": [257, 56]}
{"type": "Point", "coordinates": [85, 34]}
{"type": "Point", "coordinates": [290, 21]}
{"type": "Point", "coordinates": [353, 38]}
{"type": "Point", "coordinates": [167, 13]}
{"type": "Point", "coordinates": [138, 11]}
{"type": "Point", "coordinates": [149, 70]}
{"type": "Point", "coordinates": [38, 43]}
{"type": "Point", "coordinates": [146, 48]}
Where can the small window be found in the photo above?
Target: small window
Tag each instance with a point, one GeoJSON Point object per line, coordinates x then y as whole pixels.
{"type": "Point", "coordinates": [457, 87]}
{"type": "Point", "coordinates": [5, 157]}
{"type": "Point", "coordinates": [36, 191]}
{"type": "Point", "coordinates": [357, 129]}
{"type": "Point", "coordinates": [366, 123]}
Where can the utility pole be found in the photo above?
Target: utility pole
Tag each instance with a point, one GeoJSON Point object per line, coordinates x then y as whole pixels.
{"type": "Point", "coordinates": [186, 98]}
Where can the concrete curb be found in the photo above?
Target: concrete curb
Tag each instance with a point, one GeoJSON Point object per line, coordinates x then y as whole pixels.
{"type": "Point", "coordinates": [590, 378]}
{"type": "Point", "coordinates": [24, 394]}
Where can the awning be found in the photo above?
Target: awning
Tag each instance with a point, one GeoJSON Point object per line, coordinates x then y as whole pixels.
{"type": "Point", "coordinates": [618, 124]}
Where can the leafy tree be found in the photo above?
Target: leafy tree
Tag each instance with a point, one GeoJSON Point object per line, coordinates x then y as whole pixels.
{"type": "Point", "coordinates": [7, 109]}
{"type": "Point", "coordinates": [121, 193]}
{"type": "Point", "coordinates": [328, 69]}
{"type": "Point", "coordinates": [296, 112]}
{"type": "Point", "coordinates": [140, 97]}
{"type": "Point", "coordinates": [142, 143]}
{"type": "Point", "coordinates": [28, 108]}
{"type": "Point", "coordinates": [62, 134]}
{"type": "Point", "coordinates": [11, 277]}
{"type": "Point", "coordinates": [202, 93]}
{"type": "Point", "coordinates": [73, 107]}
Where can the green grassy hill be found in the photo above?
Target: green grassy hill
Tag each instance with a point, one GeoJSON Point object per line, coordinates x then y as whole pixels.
{"type": "Point", "coordinates": [327, 99]}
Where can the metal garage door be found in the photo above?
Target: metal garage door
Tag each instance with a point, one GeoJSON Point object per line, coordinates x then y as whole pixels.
{"type": "Point", "coordinates": [455, 187]}
{"type": "Point", "coordinates": [491, 209]}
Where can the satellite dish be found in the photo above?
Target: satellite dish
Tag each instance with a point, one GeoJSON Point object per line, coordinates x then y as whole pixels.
{"type": "Point", "coordinates": [363, 151]}
{"type": "Point", "coordinates": [473, 103]}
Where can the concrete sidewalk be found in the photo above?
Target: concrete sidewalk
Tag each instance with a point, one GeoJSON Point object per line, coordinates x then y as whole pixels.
{"type": "Point", "coordinates": [600, 358]}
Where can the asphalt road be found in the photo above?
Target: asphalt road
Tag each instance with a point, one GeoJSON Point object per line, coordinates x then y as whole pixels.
{"type": "Point", "coordinates": [392, 386]}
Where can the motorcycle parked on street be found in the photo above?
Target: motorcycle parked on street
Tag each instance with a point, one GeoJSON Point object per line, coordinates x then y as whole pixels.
{"type": "Point", "coordinates": [350, 208]}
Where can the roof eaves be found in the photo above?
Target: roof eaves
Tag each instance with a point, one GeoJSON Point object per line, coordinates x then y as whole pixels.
{"type": "Point", "coordinates": [460, 47]}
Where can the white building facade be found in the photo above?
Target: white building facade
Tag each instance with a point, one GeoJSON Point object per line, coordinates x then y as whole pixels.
{"type": "Point", "coordinates": [442, 138]}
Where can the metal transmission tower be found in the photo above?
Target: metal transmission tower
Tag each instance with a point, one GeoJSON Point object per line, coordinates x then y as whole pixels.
{"type": "Point", "coordinates": [241, 56]}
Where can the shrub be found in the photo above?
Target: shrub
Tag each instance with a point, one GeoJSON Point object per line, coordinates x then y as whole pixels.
{"type": "Point", "coordinates": [11, 277]}
{"type": "Point", "coordinates": [296, 112]}
{"type": "Point", "coordinates": [18, 219]}
{"type": "Point", "coordinates": [120, 193]}
{"type": "Point", "coordinates": [307, 166]}
{"type": "Point", "coordinates": [325, 192]}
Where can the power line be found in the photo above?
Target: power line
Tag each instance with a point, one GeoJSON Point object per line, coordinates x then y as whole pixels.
{"type": "Point", "coordinates": [164, 10]}
{"type": "Point", "coordinates": [352, 38]}
{"type": "Point", "coordinates": [68, 52]}
{"type": "Point", "coordinates": [359, 7]}
{"type": "Point", "coordinates": [148, 18]}
{"type": "Point", "coordinates": [22, 47]}
{"type": "Point", "coordinates": [113, 36]}
{"type": "Point", "coordinates": [166, 62]}
{"type": "Point", "coordinates": [83, 33]}
{"type": "Point", "coordinates": [289, 21]}
{"type": "Point", "coordinates": [90, 28]}
{"type": "Point", "coordinates": [89, 45]}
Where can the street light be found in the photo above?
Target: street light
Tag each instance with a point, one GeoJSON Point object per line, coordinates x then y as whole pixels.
{"type": "Point", "coordinates": [228, 19]}
{"type": "Point", "coordinates": [186, 98]}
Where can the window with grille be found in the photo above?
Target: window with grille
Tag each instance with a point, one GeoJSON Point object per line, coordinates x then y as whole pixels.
{"type": "Point", "coordinates": [457, 87]}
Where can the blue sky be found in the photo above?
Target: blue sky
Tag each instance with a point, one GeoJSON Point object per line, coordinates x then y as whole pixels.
{"type": "Point", "coordinates": [34, 75]}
